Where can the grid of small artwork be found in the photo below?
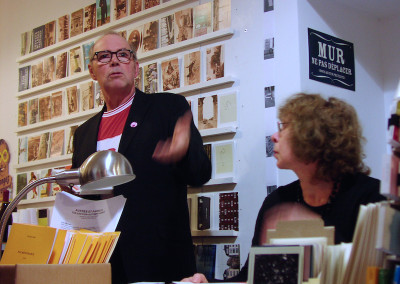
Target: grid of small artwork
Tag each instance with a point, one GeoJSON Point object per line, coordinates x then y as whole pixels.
{"type": "Point", "coordinates": [177, 27]}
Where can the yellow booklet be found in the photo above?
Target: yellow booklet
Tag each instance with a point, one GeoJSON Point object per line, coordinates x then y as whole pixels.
{"type": "Point", "coordinates": [76, 250]}
{"type": "Point", "coordinates": [58, 246]}
{"type": "Point", "coordinates": [28, 244]}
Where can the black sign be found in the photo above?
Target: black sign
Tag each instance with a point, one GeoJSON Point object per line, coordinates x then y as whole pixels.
{"type": "Point", "coordinates": [331, 60]}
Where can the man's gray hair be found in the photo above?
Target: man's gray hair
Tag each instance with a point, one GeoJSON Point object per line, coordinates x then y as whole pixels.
{"type": "Point", "coordinates": [132, 46]}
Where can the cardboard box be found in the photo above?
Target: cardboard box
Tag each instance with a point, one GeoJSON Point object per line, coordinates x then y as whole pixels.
{"type": "Point", "coordinates": [56, 273]}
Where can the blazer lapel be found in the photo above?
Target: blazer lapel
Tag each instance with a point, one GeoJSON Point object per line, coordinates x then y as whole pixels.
{"type": "Point", "coordinates": [137, 113]}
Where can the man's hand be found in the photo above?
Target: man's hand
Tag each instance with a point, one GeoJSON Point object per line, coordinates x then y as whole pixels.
{"type": "Point", "coordinates": [174, 149]}
{"type": "Point", "coordinates": [196, 278]}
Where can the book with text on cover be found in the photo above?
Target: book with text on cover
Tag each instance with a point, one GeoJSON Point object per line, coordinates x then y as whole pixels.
{"type": "Point", "coordinates": [28, 244]}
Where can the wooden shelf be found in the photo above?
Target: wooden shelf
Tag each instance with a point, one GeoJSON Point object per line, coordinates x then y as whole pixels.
{"type": "Point", "coordinates": [215, 233]}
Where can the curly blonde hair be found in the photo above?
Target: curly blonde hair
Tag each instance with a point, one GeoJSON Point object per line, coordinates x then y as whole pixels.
{"type": "Point", "coordinates": [327, 132]}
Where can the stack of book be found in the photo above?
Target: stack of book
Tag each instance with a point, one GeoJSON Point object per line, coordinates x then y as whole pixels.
{"type": "Point", "coordinates": [32, 244]}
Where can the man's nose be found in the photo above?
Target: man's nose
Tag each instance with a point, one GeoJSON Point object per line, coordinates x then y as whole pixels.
{"type": "Point", "coordinates": [114, 58]}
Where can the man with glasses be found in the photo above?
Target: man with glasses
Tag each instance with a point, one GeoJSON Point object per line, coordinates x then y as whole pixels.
{"type": "Point", "coordinates": [156, 133]}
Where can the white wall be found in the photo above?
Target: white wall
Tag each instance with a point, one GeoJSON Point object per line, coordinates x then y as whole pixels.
{"type": "Point", "coordinates": [366, 33]}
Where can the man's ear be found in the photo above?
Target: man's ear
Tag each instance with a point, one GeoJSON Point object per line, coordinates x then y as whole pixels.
{"type": "Point", "coordinates": [91, 72]}
{"type": "Point", "coordinates": [136, 68]}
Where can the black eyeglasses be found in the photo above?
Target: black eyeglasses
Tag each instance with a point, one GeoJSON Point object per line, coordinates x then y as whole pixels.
{"type": "Point", "coordinates": [281, 125]}
{"type": "Point", "coordinates": [105, 56]}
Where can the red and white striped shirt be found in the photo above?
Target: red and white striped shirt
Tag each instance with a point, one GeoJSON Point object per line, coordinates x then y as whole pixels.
{"type": "Point", "coordinates": [112, 125]}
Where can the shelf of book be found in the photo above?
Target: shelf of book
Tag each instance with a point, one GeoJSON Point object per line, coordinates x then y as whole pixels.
{"type": "Point", "coordinates": [57, 83]}
{"type": "Point", "coordinates": [146, 56]}
{"type": "Point", "coordinates": [173, 48]}
{"type": "Point", "coordinates": [202, 86]}
{"type": "Point", "coordinates": [218, 131]}
{"type": "Point", "coordinates": [37, 200]}
{"type": "Point", "coordinates": [99, 30]}
{"type": "Point", "coordinates": [214, 233]}
{"type": "Point", "coordinates": [80, 116]}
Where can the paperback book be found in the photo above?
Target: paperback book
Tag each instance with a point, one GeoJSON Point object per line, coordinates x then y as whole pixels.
{"type": "Point", "coordinates": [75, 60]}
{"type": "Point", "coordinates": [215, 62]}
{"type": "Point", "coordinates": [184, 25]}
{"type": "Point", "coordinates": [56, 104]}
{"type": "Point", "coordinates": [150, 36]}
{"type": "Point", "coordinates": [76, 23]}
{"type": "Point", "coordinates": [63, 28]}
{"type": "Point", "coordinates": [192, 63]}
{"type": "Point", "coordinates": [89, 17]}
{"type": "Point", "coordinates": [38, 38]}
{"type": "Point", "coordinates": [50, 33]}
{"type": "Point", "coordinates": [202, 19]}
{"type": "Point", "coordinates": [167, 30]}
{"type": "Point", "coordinates": [170, 74]}
{"type": "Point", "coordinates": [23, 114]}
{"type": "Point", "coordinates": [150, 78]}
{"type": "Point", "coordinates": [44, 108]}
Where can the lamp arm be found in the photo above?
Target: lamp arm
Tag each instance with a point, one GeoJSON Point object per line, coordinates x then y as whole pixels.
{"type": "Point", "coordinates": [10, 208]}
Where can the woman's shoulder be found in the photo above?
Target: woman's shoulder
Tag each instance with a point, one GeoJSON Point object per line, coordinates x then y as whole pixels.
{"type": "Point", "coordinates": [286, 191]}
{"type": "Point", "coordinates": [366, 187]}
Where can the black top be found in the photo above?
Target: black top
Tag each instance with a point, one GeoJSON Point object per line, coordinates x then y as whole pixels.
{"type": "Point", "coordinates": [155, 244]}
{"type": "Point", "coordinates": [342, 213]}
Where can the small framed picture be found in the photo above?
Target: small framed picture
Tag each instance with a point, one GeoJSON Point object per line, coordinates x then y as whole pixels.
{"type": "Point", "coordinates": [276, 264]}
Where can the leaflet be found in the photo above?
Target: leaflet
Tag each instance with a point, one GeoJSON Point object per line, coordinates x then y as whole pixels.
{"type": "Point", "coordinates": [74, 213]}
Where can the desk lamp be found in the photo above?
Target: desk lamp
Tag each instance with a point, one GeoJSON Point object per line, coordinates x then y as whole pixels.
{"type": "Point", "coordinates": [100, 170]}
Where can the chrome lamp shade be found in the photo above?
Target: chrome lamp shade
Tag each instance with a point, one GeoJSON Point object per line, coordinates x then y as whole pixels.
{"type": "Point", "coordinates": [100, 170]}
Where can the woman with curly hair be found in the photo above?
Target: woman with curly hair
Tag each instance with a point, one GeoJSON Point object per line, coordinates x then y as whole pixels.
{"type": "Point", "coordinates": [321, 142]}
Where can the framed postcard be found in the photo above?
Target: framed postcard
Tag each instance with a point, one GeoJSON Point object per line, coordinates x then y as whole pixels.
{"type": "Point", "coordinates": [75, 60]}
{"type": "Point", "coordinates": [202, 19]}
{"type": "Point", "coordinates": [150, 78]}
{"type": "Point", "coordinates": [72, 100]}
{"type": "Point", "coordinates": [170, 74]}
{"type": "Point", "coordinates": [76, 23]}
{"type": "Point", "coordinates": [150, 36]}
{"type": "Point", "coordinates": [61, 65]}
{"type": "Point", "coordinates": [120, 9]}
{"type": "Point", "coordinates": [49, 67]}
{"type": "Point", "coordinates": [215, 62]}
{"type": "Point", "coordinates": [191, 71]}
{"type": "Point", "coordinates": [56, 104]}
{"type": "Point", "coordinates": [276, 264]}
{"type": "Point", "coordinates": [89, 17]}
{"type": "Point", "coordinates": [167, 28]}
{"type": "Point", "coordinates": [63, 28]}
{"type": "Point", "coordinates": [135, 38]}
{"type": "Point", "coordinates": [183, 25]}
{"type": "Point", "coordinates": [136, 6]}
{"type": "Point", "coordinates": [207, 111]}
{"type": "Point", "coordinates": [224, 153]}
{"type": "Point", "coordinates": [50, 33]}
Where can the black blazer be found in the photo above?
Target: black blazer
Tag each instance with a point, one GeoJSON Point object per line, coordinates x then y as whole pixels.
{"type": "Point", "coordinates": [155, 242]}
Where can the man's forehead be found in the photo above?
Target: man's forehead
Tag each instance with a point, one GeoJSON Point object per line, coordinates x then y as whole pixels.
{"type": "Point", "coordinates": [111, 42]}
